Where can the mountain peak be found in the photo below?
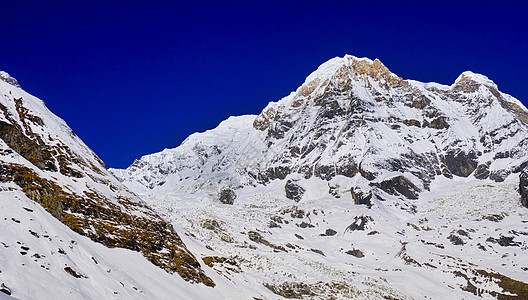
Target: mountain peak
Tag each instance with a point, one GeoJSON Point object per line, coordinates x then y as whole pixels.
{"type": "Point", "coordinates": [4, 76]}
{"type": "Point", "coordinates": [373, 68]}
{"type": "Point", "coordinates": [341, 72]}
{"type": "Point", "coordinates": [475, 77]}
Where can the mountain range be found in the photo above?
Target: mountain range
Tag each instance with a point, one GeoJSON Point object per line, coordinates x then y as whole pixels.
{"type": "Point", "coordinates": [359, 184]}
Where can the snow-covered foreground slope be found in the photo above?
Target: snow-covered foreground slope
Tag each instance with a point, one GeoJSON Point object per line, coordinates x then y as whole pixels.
{"type": "Point", "coordinates": [358, 185]}
{"type": "Point", "coordinates": [42, 258]}
{"type": "Point", "coordinates": [328, 246]}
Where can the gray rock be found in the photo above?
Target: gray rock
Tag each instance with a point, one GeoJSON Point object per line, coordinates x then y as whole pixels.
{"type": "Point", "coordinates": [305, 225]}
{"type": "Point", "coordinates": [504, 241]}
{"type": "Point", "coordinates": [227, 196]}
{"type": "Point", "coordinates": [456, 240]}
{"type": "Point", "coordinates": [399, 185]}
{"type": "Point", "coordinates": [355, 252]}
{"type": "Point", "coordinates": [294, 191]}
{"type": "Point", "coordinates": [482, 172]}
{"type": "Point", "coordinates": [500, 175]}
{"type": "Point", "coordinates": [329, 232]}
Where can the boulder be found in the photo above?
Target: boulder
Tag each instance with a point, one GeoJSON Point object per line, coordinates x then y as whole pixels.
{"type": "Point", "coordinates": [294, 191]}
{"type": "Point", "coordinates": [329, 232]}
{"type": "Point", "coordinates": [227, 196]}
{"type": "Point", "coordinates": [356, 252]}
{"type": "Point", "coordinates": [4, 289]}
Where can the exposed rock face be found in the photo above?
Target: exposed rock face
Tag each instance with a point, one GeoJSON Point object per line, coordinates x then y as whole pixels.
{"type": "Point", "coordinates": [360, 223]}
{"type": "Point", "coordinates": [460, 164]}
{"type": "Point", "coordinates": [361, 197]}
{"type": "Point", "coordinates": [523, 186]}
{"type": "Point", "coordinates": [399, 185]}
{"type": "Point", "coordinates": [293, 191]}
{"type": "Point", "coordinates": [482, 172]}
{"type": "Point", "coordinates": [40, 156]}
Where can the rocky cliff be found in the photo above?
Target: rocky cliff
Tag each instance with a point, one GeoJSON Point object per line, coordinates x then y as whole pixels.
{"type": "Point", "coordinates": [41, 157]}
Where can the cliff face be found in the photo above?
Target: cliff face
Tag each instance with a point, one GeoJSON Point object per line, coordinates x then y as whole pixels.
{"type": "Point", "coordinates": [41, 157]}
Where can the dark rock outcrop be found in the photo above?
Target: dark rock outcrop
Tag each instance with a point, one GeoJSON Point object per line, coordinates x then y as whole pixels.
{"type": "Point", "coordinates": [356, 252]}
{"type": "Point", "coordinates": [294, 191]}
{"type": "Point", "coordinates": [460, 163]}
{"type": "Point", "coordinates": [523, 186]}
{"type": "Point", "coordinates": [482, 172]}
{"type": "Point", "coordinates": [329, 232]}
{"type": "Point", "coordinates": [227, 196]}
{"type": "Point", "coordinates": [399, 185]}
{"type": "Point", "coordinates": [361, 197]}
{"type": "Point", "coordinates": [499, 175]}
{"type": "Point", "coordinates": [437, 123]}
{"type": "Point", "coordinates": [455, 239]}
{"type": "Point", "coordinates": [305, 225]}
{"type": "Point", "coordinates": [4, 289]}
{"type": "Point", "coordinates": [360, 223]}
{"type": "Point", "coordinates": [504, 241]}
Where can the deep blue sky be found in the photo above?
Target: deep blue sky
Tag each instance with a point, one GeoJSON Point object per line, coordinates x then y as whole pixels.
{"type": "Point", "coordinates": [132, 78]}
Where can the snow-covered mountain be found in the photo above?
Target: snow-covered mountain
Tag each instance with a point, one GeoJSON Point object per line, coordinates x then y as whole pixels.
{"type": "Point", "coordinates": [354, 118]}
{"type": "Point", "coordinates": [62, 211]}
{"type": "Point", "coordinates": [358, 184]}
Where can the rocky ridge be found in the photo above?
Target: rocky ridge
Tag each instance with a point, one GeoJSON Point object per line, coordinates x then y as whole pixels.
{"type": "Point", "coordinates": [41, 157]}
